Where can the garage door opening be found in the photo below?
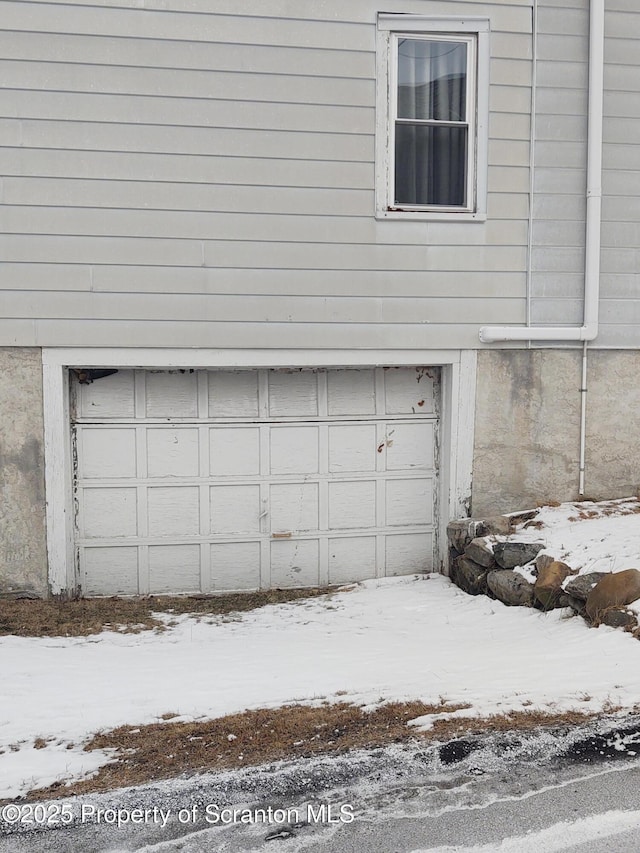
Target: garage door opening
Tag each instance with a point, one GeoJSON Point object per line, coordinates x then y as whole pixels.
{"type": "Point", "coordinates": [218, 480]}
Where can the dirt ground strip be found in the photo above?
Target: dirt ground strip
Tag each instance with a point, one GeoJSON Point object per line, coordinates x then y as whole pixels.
{"type": "Point", "coordinates": [84, 616]}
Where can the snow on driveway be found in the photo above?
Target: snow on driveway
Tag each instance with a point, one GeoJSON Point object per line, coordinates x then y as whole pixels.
{"type": "Point", "coordinates": [393, 639]}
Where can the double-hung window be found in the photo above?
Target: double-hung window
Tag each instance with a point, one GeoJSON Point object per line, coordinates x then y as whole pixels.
{"type": "Point", "coordinates": [432, 116]}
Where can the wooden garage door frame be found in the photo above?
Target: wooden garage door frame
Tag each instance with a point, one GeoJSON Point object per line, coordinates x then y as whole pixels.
{"type": "Point", "coordinates": [456, 423]}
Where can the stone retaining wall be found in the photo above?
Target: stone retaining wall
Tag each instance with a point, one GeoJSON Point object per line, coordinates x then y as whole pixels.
{"type": "Point", "coordinates": [486, 557]}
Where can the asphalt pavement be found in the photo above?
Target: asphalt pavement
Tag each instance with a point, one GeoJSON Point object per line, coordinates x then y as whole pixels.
{"type": "Point", "coordinates": [574, 789]}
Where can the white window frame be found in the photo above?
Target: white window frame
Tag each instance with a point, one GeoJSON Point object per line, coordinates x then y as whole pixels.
{"type": "Point", "coordinates": [474, 31]}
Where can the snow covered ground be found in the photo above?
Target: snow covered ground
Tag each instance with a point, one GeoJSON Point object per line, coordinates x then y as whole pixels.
{"type": "Point", "coordinates": [393, 639]}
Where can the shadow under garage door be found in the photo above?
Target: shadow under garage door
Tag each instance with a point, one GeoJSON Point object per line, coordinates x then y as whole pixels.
{"type": "Point", "coordinates": [212, 480]}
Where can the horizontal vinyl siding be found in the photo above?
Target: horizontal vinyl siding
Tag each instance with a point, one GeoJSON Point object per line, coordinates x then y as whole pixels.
{"type": "Point", "coordinates": [237, 309]}
{"type": "Point", "coordinates": [221, 155]}
{"type": "Point", "coordinates": [557, 260]}
{"type": "Point", "coordinates": [171, 333]}
{"type": "Point", "coordinates": [620, 257]}
{"type": "Point", "coordinates": [560, 179]}
{"type": "Point", "coordinates": [252, 227]}
{"type": "Point", "coordinates": [187, 280]}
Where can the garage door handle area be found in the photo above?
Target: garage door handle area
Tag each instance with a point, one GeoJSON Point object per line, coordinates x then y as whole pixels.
{"type": "Point", "coordinates": [282, 535]}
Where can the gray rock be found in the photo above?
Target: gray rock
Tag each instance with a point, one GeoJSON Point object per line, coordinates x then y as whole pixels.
{"type": "Point", "coordinates": [497, 525]}
{"type": "Point", "coordinates": [618, 619]}
{"type": "Point", "coordinates": [581, 585]}
{"type": "Point", "coordinates": [576, 604]}
{"type": "Point", "coordinates": [469, 576]}
{"type": "Point", "coordinates": [510, 587]}
{"type": "Point", "coordinates": [462, 531]}
{"type": "Point", "coordinates": [508, 555]}
{"type": "Point", "coordinates": [480, 552]}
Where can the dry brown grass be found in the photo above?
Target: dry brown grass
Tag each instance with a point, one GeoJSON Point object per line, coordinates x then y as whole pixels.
{"type": "Point", "coordinates": [85, 616]}
{"type": "Point", "coordinates": [165, 750]}
{"type": "Point", "coordinates": [605, 509]}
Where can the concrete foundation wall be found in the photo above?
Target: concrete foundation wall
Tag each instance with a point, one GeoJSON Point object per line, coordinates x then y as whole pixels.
{"type": "Point", "coordinates": [23, 555]}
{"type": "Point", "coordinates": [527, 430]}
{"type": "Point", "coordinates": [613, 430]}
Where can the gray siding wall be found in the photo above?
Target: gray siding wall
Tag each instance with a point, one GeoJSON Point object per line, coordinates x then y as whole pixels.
{"type": "Point", "coordinates": [559, 205]}
{"type": "Point", "coordinates": [200, 173]}
{"type": "Point", "coordinates": [557, 281]}
{"type": "Point", "coordinates": [620, 280]}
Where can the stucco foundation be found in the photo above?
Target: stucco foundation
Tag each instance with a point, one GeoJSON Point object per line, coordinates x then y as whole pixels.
{"type": "Point", "coordinates": [527, 429]}
{"type": "Point", "coordinates": [23, 557]}
{"type": "Point", "coordinates": [613, 431]}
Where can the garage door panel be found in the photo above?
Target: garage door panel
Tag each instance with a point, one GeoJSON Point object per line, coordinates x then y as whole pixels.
{"type": "Point", "coordinates": [352, 559]}
{"type": "Point", "coordinates": [173, 511]}
{"type": "Point", "coordinates": [234, 451]}
{"type": "Point", "coordinates": [408, 553]}
{"type": "Point", "coordinates": [351, 392]}
{"type": "Point", "coordinates": [235, 565]}
{"type": "Point", "coordinates": [409, 502]}
{"type": "Point", "coordinates": [410, 446]}
{"type": "Point", "coordinates": [172, 452]}
{"type": "Point", "coordinates": [174, 569]}
{"type": "Point", "coordinates": [295, 563]}
{"type": "Point", "coordinates": [107, 453]}
{"type": "Point", "coordinates": [408, 391]}
{"type": "Point", "coordinates": [109, 571]}
{"type": "Point", "coordinates": [171, 395]}
{"type": "Point", "coordinates": [294, 507]}
{"type": "Point", "coordinates": [109, 513]}
{"type": "Point", "coordinates": [293, 394]}
{"type": "Point", "coordinates": [294, 450]}
{"type": "Point", "coordinates": [352, 448]}
{"type": "Point", "coordinates": [352, 504]}
{"type": "Point", "coordinates": [111, 397]}
{"type": "Point", "coordinates": [233, 394]}
{"type": "Point", "coordinates": [235, 509]}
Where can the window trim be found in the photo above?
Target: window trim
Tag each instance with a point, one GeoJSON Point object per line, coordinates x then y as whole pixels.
{"type": "Point", "coordinates": [390, 28]}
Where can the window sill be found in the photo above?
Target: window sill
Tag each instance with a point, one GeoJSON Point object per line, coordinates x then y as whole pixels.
{"type": "Point", "coordinates": [431, 216]}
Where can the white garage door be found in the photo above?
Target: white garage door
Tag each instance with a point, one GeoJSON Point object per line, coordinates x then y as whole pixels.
{"type": "Point", "coordinates": [223, 480]}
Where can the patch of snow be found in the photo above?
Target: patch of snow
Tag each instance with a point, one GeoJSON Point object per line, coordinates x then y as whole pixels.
{"type": "Point", "coordinates": [589, 537]}
{"type": "Point", "coordinates": [35, 768]}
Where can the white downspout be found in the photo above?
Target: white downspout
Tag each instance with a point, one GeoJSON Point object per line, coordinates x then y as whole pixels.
{"type": "Point", "coordinates": [589, 329]}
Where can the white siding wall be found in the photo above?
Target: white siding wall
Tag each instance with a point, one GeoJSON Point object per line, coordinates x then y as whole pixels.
{"type": "Point", "coordinates": [200, 172]}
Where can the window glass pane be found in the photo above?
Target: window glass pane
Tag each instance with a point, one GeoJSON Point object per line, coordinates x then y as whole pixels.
{"type": "Point", "coordinates": [431, 165]}
{"type": "Point", "coordinates": [432, 79]}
